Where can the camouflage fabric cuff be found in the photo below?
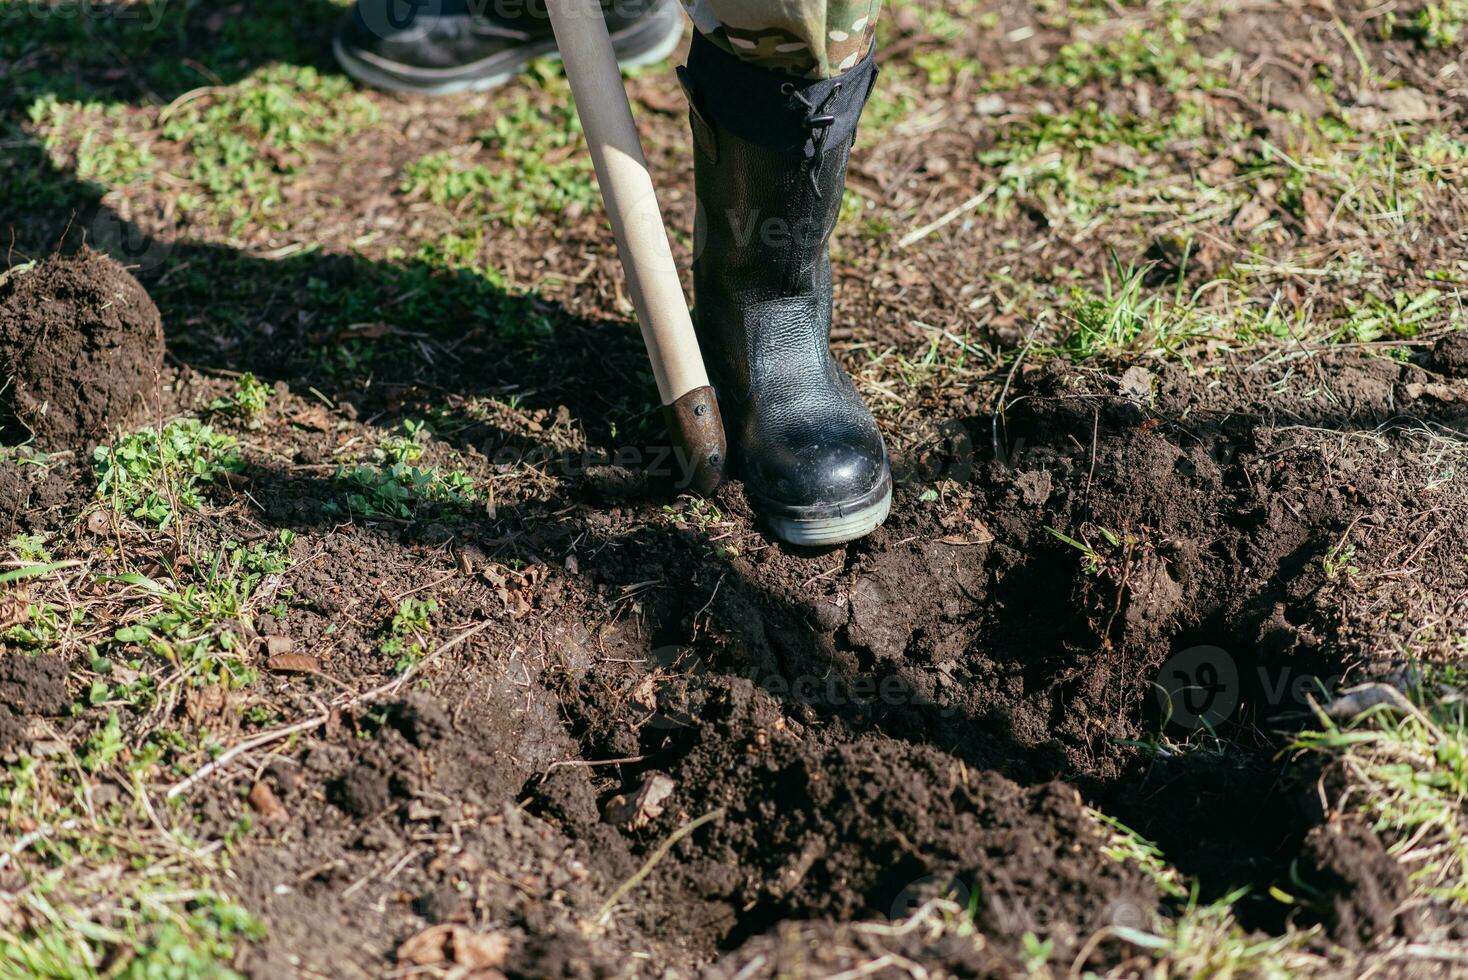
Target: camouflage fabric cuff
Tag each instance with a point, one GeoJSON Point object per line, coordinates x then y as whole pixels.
{"type": "Point", "coordinates": [806, 38]}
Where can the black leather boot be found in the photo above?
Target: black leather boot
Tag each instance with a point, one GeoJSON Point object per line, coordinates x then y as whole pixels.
{"type": "Point", "coordinates": [436, 47]}
{"type": "Point", "coordinates": [770, 165]}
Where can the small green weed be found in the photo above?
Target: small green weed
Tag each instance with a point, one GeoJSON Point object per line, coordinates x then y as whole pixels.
{"type": "Point", "coordinates": [1399, 318]}
{"type": "Point", "coordinates": [248, 402]}
{"type": "Point", "coordinates": [407, 633]}
{"type": "Point", "coordinates": [195, 620]}
{"type": "Point", "coordinates": [247, 138]}
{"type": "Point", "coordinates": [151, 473]}
{"type": "Point", "coordinates": [30, 547]}
{"type": "Point", "coordinates": [1441, 25]}
{"type": "Point", "coordinates": [392, 486]}
{"type": "Point", "coordinates": [1093, 561]}
{"type": "Point", "coordinates": [540, 167]}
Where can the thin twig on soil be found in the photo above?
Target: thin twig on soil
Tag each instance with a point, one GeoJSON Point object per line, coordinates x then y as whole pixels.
{"type": "Point", "coordinates": [652, 862]}
{"type": "Point", "coordinates": [1004, 392]}
{"type": "Point", "coordinates": [30, 838]}
{"type": "Point", "coordinates": [315, 721]}
{"type": "Point", "coordinates": [248, 745]}
{"type": "Point", "coordinates": [588, 763]}
{"type": "Point", "coordinates": [947, 219]}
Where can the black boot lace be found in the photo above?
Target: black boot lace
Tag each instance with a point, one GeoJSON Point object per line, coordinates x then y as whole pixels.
{"type": "Point", "coordinates": [817, 121]}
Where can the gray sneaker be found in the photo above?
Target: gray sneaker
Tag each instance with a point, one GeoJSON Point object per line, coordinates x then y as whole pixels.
{"type": "Point", "coordinates": [438, 47]}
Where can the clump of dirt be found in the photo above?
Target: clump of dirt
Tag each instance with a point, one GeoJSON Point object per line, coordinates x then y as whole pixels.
{"type": "Point", "coordinates": [80, 346]}
{"type": "Point", "coordinates": [878, 827]}
{"type": "Point", "coordinates": [32, 496]}
{"type": "Point", "coordinates": [29, 686]}
{"type": "Point", "coordinates": [1450, 355]}
{"type": "Point", "coordinates": [1365, 890]}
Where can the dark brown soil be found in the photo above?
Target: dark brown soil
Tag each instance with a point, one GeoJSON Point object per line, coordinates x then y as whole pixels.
{"type": "Point", "coordinates": [872, 727]}
{"type": "Point", "coordinates": [1118, 587]}
{"type": "Point", "coordinates": [923, 714]}
{"type": "Point", "coordinates": [29, 687]}
{"type": "Point", "coordinates": [81, 345]}
{"type": "Point", "coordinates": [1367, 889]}
{"type": "Point", "coordinates": [1450, 355]}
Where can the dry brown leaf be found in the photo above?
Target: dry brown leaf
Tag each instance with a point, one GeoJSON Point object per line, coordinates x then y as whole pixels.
{"type": "Point", "coordinates": [366, 331]}
{"type": "Point", "coordinates": [1380, 109]}
{"type": "Point", "coordinates": [293, 663]}
{"type": "Point", "coordinates": [455, 944]}
{"type": "Point", "coordinates": [515, 603]}
{"type": "Point", "coordinates": [646, 692]}
{"type": "Point", "coordinates": [1251, 216]}
{"type": "Point", "coordinates": [12, 610]}
{"type": "Point", "coordinates": [426, 948]}
{"type": "Point", "coordinates": [479, 950]}
{"type": "Point", "coordinates": [644, 806]}
{"type": "Point", "coordinates": [201, 703]}
{"type": "Point", "coordinates": [1317, 213]}
{"type": "Point", "coordinates": [267, 804]}
{"type": "Point", "coordinates": [313, 416]}
{"type": "Point", "coordinates": [978, 533]}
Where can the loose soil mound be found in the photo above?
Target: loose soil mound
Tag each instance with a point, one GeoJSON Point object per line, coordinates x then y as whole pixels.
{"type": "Point", "coordinates": [1152, 555]}
{"type": "Point", "coordinates": [81, 345]}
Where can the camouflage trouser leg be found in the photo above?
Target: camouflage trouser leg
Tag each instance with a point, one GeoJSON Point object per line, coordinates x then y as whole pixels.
{"type": "Point", "coordinates": [811, 38]}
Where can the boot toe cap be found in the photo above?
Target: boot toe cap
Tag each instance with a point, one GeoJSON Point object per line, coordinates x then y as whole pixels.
{"type": "Point", "coordinates": [818, 475]}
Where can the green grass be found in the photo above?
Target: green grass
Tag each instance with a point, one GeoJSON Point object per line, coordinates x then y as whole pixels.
{"type": "Point", "coordinates": [246, 142]}
{"type": "Point", "coordinates": [1407, 766]}
{"type": "Point", "coordinates": [1441, 25]}
{"type": "Point", "coordinates": [194, 619]}
{"type": "Point", "coordinates": [247, 404]}
{"type": "Point", "coordinates": [531, 165]}
{"type": "Point", "coordinates": [406, 636]}
{"type": "Point", "coordinates": [1125, 317]}
{"type": "Point", "coordinates": [1161, 52]}
{"type": "Point", "coordinates": [93, 133]}
{"type": "Point", "coordinates": [154, 934]}
{"type": "Point", "coordinates": [150, 474]}
{"type": "Point", "coordinates": [1202, 939]}
{"type": "Point", "coordinates": [1087, 163]}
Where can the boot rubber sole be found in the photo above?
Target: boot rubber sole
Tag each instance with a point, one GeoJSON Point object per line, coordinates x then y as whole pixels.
{"type": "Point", "coordinates": [645, 43]}
{"type": "Point", "coordinates": [824, 527]}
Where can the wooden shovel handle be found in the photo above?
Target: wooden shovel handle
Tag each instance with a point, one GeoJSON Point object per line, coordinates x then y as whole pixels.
{"type": "Point", "coordinates": [642, 239]}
